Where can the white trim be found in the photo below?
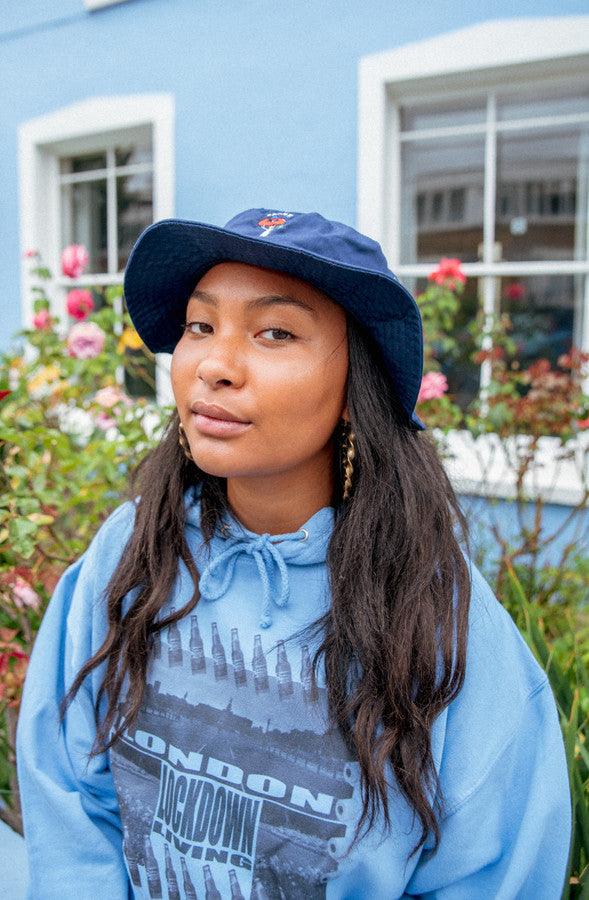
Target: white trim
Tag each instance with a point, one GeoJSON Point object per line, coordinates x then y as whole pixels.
{"type": "Point", "coordinates": [481, 466]}
{"type": "Point", "coordinates": [74, 128]}
{"type": "Point", "coordinates": [480, 57]}
{"type": "Point", "coordinates": [100, 4]}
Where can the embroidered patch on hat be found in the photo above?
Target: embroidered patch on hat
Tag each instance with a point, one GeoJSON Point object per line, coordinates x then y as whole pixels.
{"type": "Point", "coordinates": [273, 220]}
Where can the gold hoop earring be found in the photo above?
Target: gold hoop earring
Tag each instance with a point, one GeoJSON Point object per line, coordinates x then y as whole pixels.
{"type": "Point", "coordinates": [348, 456]}
{"type": "Point", "coordinates": [183, 441]}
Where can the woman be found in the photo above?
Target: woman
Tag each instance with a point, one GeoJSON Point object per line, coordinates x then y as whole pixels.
{"type": "Point", "coordinates": [285, 677]}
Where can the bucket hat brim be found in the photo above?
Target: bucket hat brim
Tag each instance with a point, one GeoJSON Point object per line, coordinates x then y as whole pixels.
{"type": "Point", "coordinates": [171, 255]}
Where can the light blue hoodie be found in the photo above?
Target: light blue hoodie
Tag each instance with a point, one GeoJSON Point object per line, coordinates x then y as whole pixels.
{"type": "Point", "coordinates": [230, 784]}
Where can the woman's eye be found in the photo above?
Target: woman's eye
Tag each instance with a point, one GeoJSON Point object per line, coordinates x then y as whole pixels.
{"type": "Point", "coordinates": [279, 334]}
{"type": "Point", "coordinates": [194, 327]}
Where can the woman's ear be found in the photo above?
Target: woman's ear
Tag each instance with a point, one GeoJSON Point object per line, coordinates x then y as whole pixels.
{"type": "Point", "coordinates": [346, 413]}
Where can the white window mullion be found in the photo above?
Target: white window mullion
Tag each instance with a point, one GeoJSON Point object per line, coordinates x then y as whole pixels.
{"type": "Point", "coordinates": [111, 212]}
{"type": "Point", "coordinates": [489, 282]}
{"type": "Point", "coordinates": [392, 189]}
{"type": "Point", "coordinates": [112, 242]}
{"type": "Point", "coordinates": [582, 245]}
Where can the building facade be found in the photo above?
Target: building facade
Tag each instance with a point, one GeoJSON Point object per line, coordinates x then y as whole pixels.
{"type": "Point", "coordinates": [463, 135]}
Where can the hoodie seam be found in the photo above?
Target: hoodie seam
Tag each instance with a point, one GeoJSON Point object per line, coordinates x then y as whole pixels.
{"type": "Point", "coordinates": [460, 803]}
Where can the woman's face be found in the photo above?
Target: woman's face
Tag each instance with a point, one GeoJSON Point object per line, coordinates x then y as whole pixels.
{"type": "Point", "coordinates": [270, 350]}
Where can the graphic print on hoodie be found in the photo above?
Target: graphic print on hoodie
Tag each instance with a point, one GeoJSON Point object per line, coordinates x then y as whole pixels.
{"type": "Point", "coordinates": [230, 783]}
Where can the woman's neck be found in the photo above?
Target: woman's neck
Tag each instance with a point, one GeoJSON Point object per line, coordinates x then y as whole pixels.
{"type": "Point", "coordinates": [281, 503]}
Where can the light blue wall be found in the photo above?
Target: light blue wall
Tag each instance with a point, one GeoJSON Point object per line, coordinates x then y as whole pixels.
{"type": "Point", "coordinates": [483, 514]}
{"type": "Point", "coordinates": [265, 92]}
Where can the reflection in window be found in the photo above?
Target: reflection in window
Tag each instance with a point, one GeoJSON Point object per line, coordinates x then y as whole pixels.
{"type": "Point", "coordinates": [541, 193]}
{"type": "Point", "coordinates": [442, 197]}
{"type": "Point", "coordinates": [84, 221]}
{"type": "Point", "coordinates": [541, 309]}
{"type": "Point", "coordinates": [134, 211]}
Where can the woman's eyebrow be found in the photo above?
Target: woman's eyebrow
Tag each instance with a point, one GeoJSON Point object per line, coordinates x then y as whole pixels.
{"type": "Point", "coordinates": [259, 302]}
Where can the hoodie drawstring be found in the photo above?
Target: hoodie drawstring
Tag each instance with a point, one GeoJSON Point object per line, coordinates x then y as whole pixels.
{"type": "Point", "coordinates": [264, 550]}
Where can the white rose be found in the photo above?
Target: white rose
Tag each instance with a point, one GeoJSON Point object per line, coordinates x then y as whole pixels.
{"type": "Point", "coordinates": [152, 424]}
{"type": "Point", "coordinates": [78, 423]}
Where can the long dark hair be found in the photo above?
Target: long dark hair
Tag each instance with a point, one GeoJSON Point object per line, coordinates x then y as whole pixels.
{"type": "Point", "coordinates": [394, 638]}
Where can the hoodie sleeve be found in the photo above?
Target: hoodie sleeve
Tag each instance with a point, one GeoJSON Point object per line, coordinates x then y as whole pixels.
{"type": "Point", "coordinates": [70, 812]}
{"type": "Point", "coordinates": [510, 837]}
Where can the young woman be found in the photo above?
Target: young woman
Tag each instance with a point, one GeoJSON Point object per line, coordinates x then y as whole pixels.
{"type": "Point", "coordinates": [278, 671]}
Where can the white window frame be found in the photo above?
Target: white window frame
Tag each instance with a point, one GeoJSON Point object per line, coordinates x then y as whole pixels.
{"type": "Point", "coordinates": [74, 129]}
{"type": "Point", "coordinates": [479, 57]}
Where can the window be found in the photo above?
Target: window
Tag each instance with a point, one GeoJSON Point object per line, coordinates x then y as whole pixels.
{"type": "Point", "coordinates": [97, 173]}
{"type": "Point", "coordinates": [487, 161]}
{"type": "Point", "coordinates": [536, 153]}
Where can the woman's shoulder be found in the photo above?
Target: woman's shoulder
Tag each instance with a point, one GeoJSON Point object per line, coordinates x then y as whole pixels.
{"type": "Point", "coordinates": [502, 682]}
{"type": "Point", "coordinates": [498, 656]}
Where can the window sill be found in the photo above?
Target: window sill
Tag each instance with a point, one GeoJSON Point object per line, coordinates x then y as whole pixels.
{"type": "Point", "coordinates": [484, 466]}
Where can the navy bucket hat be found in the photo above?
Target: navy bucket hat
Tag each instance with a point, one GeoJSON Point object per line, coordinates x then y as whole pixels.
{"type": "Point", "coordinates": [171, 255]}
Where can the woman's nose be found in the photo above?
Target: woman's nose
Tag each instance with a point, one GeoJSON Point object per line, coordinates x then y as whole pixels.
{"type": "Point", "coordinates": [221, 364]}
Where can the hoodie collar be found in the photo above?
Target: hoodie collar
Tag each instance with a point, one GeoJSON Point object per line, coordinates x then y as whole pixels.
{"type": "Point", "coordinates": [272, 553]}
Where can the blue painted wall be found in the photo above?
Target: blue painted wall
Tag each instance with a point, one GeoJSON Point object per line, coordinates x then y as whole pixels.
{"type": "Point", "coordinates": [265, 91]}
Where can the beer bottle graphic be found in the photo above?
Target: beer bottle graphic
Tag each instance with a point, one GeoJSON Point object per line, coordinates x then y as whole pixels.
{"type": "Point", "coordinates": [234, 885]}
{"type": "Point", "coordinates": [211, 892]}
{"type": "Point", "coordinates": [306, 674]}
{"type": "Point", "coordinates": [283, 673]}
{"type": "Point", "coordinates": [173, 890]}
{"type": "Point", "coordinates": [259, 667]}
{"type": "Point", "coordinates": [197, 654]}
{"type": "Point", "coordinates": [154, 884]}
{"type": "Point", "coordinates": [174, 644]}
{"type": "Point", "coordinates": [132, 859]}
{"type": "Point", "coordinates": [189, 888]}
{"type": "Point", "coordinates": [219, 660]}
{"type": "Point", "coordinates": [237, 659]}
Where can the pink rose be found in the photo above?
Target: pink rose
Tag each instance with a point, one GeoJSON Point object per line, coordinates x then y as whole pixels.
{"type": "Point", "coordinates": [110, 396]}
{"type": "Point", "coordinates": [583, 423]}
{"type": "Point", "coordinates": [433, 385]}
{"type": "Point", "coordinates": [24, 595]}
{"type": "Point", "coordinates": [85, 340]}
{"type": "Point", "coordinates": [104, 421]}
{"type": "Point", "coordinates": [79, 303]}
{"type": "Point", "coordinates": [448, 273]}
{"type": "Point", "coordinates": [514, 291]}
{"type": "Point", "coordinates": [74, 260]}
{"type": "Point", "coordinates": [42, 320]}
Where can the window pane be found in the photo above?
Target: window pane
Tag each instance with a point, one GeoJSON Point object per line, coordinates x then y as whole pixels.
{"type": "Point", "coordinates": [134, 211]}
{"type": "Point", "coordinates": [541, 309]}
{"type": "Point", "coordinates": [129, 154]}
{"type": "Point", "coordinates": [443, 114]}
{"type": "Point", "coordinates": [542, 193]}
{"type": "Point", "coordinates": [83, 221]}
{"type": "Point", "coordinates": [442, 199]}
{"type": "Point", "coordinates": [462, 374]}
{"type": "Point", "coordinates": [543, 100]}
{"type": "Point", "coordinates": [84, 163]}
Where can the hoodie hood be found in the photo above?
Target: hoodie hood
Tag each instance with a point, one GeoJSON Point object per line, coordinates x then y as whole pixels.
{"type": "Point", "coordinates": [272, 554]}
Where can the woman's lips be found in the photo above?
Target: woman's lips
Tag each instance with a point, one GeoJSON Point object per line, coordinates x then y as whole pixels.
{"type": "Point", "coordinates": [218, 427]}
